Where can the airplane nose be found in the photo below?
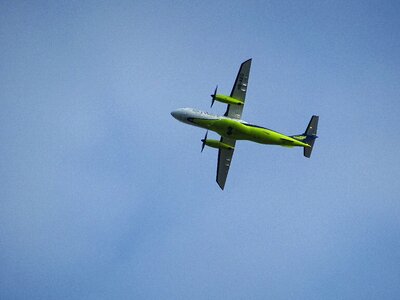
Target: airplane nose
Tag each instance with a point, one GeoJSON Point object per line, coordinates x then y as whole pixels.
{"type": "Point", "coordinates": [174, 114]}
{"type": "Point", "coordinates": [178, 114]}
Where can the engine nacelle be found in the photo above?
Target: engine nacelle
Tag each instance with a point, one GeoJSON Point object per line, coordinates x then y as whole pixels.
{"type": "Point", "coordinates": [228, 100]}
{"type": "Point", "coordinates": [218, 144]}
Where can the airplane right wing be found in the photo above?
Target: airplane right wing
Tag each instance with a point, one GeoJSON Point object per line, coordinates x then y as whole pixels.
{"type": "Point", "coordinates": [224, 161]}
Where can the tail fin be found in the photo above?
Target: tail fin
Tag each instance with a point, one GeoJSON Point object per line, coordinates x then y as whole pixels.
{"type": "Point", "coordinates": [310, 135]}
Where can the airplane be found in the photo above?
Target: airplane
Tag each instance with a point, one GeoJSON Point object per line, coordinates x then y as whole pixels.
{"type": "Point", "coordinates": [232, 128]}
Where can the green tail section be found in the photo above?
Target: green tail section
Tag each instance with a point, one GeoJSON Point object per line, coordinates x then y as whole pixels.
{"type": "Point", "coordinates": [309, 136]}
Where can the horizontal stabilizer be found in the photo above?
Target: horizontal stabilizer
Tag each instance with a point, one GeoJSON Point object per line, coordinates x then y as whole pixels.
{"type": "Point", "coordinates": [307, 150]}
{"type": "Point", "coordinates": [311, 135]}
{"type": "Point", "coordinates": [312, 126]}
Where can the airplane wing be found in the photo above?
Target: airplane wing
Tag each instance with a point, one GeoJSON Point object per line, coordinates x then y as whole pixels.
{"type": "Point", "coordinates": [239, 91]}
{"type": "Point", "coordinates": [235, 112]}
{"type": "Point", "coordinates": [224, 161]}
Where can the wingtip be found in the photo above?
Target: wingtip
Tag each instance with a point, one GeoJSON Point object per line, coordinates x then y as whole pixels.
{"type": "Point", "coordinates": [221, 186]}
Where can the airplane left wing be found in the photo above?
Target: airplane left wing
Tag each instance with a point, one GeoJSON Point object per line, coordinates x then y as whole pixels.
{"type": "Point", "coordinates": [239, 91]}
{"type": "Point", "coordinates": [224, 161]}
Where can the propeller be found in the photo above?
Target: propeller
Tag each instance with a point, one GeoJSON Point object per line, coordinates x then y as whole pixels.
{"type": "Point", "coordinates": [213, 95]}
{"type": "Point", "coordinates": [204, 141]}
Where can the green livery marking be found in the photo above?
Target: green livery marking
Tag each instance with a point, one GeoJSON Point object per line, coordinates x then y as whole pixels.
{"type": "Point", "coordinates": [241, 131]}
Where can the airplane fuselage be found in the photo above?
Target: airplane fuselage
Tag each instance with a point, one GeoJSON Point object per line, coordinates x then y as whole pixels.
{"type": "Point", "coordinates": [234, 129]}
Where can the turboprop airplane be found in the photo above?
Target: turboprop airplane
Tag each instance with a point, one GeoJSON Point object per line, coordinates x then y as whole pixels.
{"type": "Point", "coordinates": [231, 127]}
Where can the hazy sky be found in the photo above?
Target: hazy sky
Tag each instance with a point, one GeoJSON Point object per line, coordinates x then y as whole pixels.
{"type": "Point", "coordinates": [103, 195]}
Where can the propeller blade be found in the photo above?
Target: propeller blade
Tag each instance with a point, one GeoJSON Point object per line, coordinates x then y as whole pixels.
{"type": "Point", "coordinates": [204, 141]}
{"type": "Point", "coordinates": [213, 96]}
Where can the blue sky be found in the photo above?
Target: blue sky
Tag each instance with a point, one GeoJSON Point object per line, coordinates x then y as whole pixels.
{"type": "Point", "coordinates": [104, 195]}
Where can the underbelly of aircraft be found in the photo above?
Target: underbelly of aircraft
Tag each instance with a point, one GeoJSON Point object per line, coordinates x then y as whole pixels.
{"type": "Point", "coordinates": [235, 130]}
